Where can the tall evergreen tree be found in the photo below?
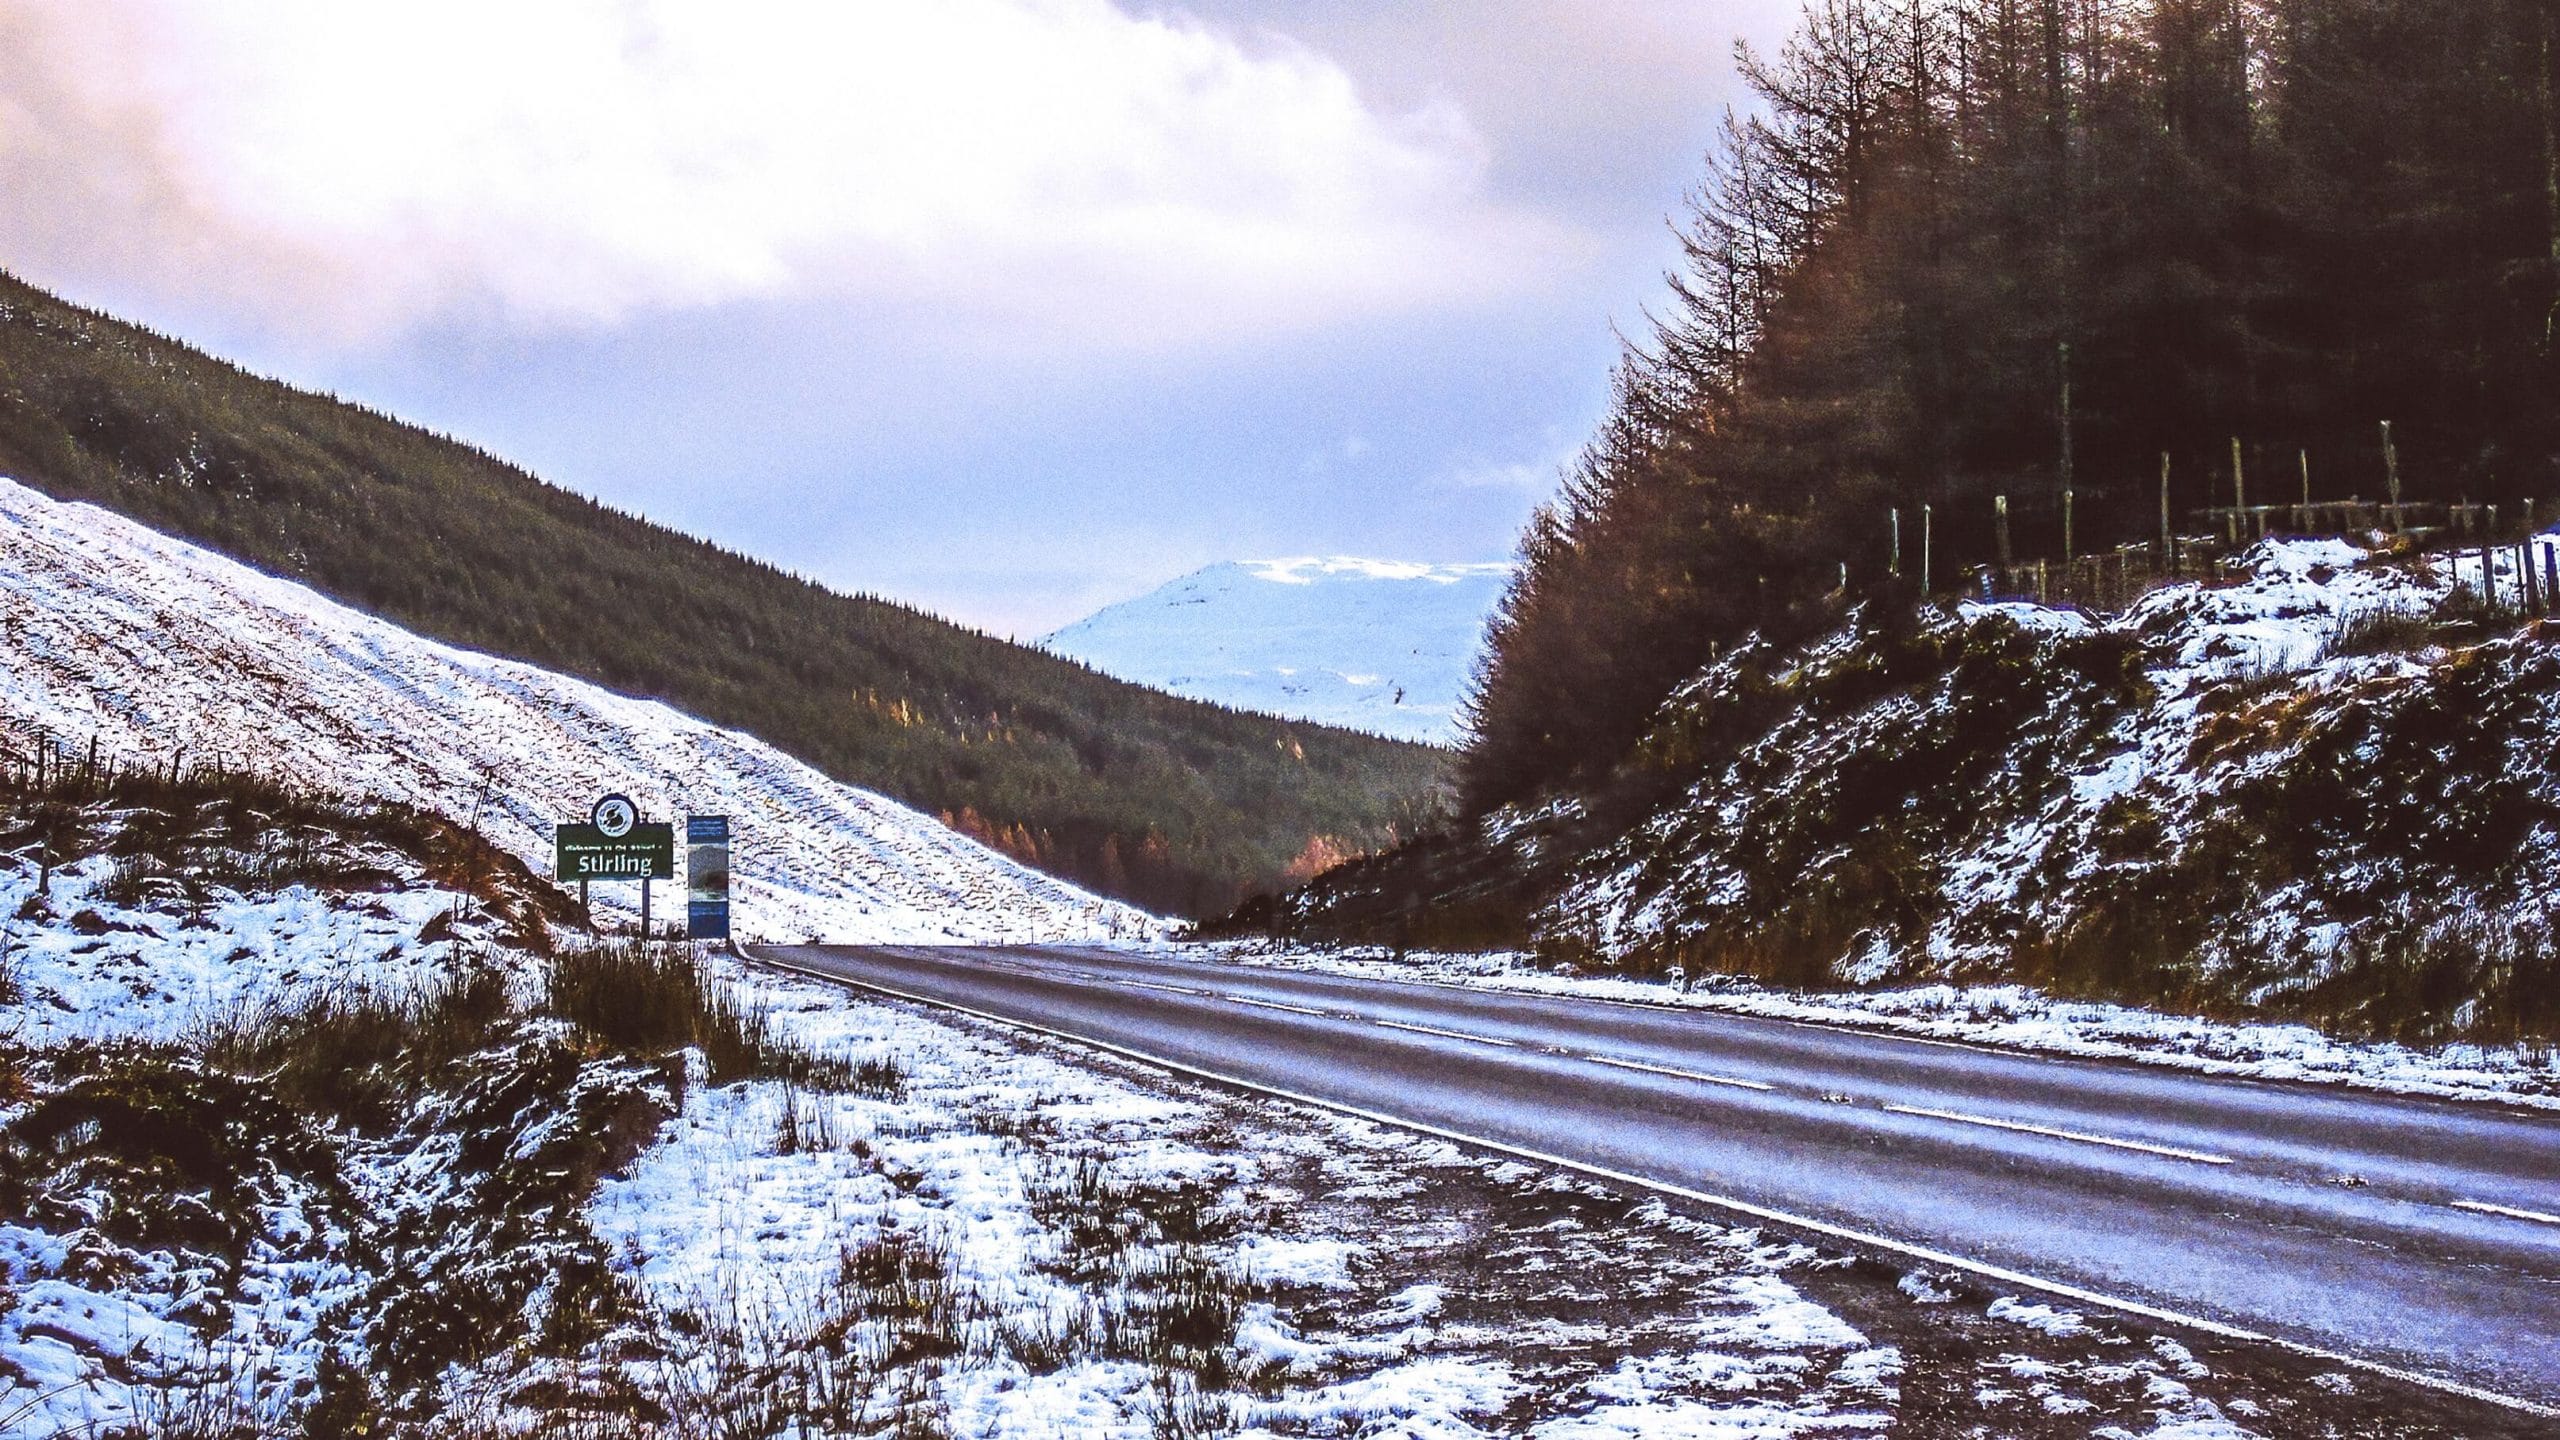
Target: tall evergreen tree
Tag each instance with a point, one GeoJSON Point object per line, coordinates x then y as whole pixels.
{"type": "Point", "coordinates": [1973, 247]}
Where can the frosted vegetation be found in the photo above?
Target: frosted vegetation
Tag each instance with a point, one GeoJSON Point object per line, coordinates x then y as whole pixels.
{"type": "Point", "coordinates": [2322, 790]}
{"type": "Point", "coordinates": [2327, 791]}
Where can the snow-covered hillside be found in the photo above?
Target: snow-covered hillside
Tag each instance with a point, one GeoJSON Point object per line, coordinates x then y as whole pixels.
{"type": "Point", "coordinates": [148, 645]}
{"type": "Point", "coordinates": [1377, 645]}
{"type": "Point", "coordinates": [2326, 788]}
{"type": "Point", "coordinates": [2321, 788]}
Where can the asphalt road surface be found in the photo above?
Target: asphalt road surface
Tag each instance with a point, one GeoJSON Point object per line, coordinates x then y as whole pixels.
{"type": "Point", "coordinates": [2418, 1235]}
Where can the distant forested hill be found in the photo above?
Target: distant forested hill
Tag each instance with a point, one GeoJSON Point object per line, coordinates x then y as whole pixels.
{"type": "Point", "coordinates": [1972, 248]}
{"type": "Point", "coordinates": [1171, 803]}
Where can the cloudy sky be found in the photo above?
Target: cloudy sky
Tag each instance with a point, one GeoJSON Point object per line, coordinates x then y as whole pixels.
{"type": "Point", "coordinates": [1007, 308]}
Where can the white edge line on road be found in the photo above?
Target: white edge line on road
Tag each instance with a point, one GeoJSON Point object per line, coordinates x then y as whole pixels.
{"type": "Point", "coordinates": [2085, 1138]}
{"type": "Point", "coordinates": [1451, 1034]}
{"type": "Point", "coordinates": [2483, 1207]}
{"type": "Point", "coordinates": [1697, 1075]}
{"type": "Point", "coordinates": [2060, 1290]}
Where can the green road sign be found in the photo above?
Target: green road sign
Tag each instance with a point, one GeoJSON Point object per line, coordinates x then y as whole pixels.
{"type": "Point", "coordinates": [647, 851]}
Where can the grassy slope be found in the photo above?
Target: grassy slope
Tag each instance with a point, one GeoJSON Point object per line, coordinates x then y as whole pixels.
{"type": "Point", "coordinates": [1172, 803]}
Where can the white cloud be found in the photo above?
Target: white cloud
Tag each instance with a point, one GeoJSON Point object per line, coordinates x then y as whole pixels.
{"type": "Point", "coordinates": [1538, 476]}
{"type": "Point", "coordinates": [352, 171]}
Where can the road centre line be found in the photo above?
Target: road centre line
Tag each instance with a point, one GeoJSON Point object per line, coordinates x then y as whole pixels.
{"type": "Point", "coordinates": [1871, 1027]}
{"type": "Point", "coordinates": [1698, 1075]}
{"type": "Point", "coordinates": [1275, 1005]}
{"type": "Point", "coordinates": [2082, 1136]}
{"type": "Point", "coordinates": [2482, 1207]}
{"type": "Point", "coordinates": [1167, 989]}
{"type": "Point", "coordinates": [1864, 1238]}
{"type": "Point", "coordinates": [1451, 1034]}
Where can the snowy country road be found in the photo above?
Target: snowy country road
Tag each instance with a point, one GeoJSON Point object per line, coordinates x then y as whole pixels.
{"type": "Point", "coordinates": [2407, 1233]}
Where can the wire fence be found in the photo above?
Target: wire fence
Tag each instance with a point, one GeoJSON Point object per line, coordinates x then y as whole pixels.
{"type": "Point", "coordinates": [2497, 552]}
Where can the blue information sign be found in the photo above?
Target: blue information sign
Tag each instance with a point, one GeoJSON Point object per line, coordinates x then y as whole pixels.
{"type": "Point", "coordinates": [706, 877]}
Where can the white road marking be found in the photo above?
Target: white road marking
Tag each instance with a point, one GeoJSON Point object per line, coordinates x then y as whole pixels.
{"type": "Point", "coordinates": [2141, 1310]}
{"type": "Point", "coordinates": [2483, 1207]}
{"type": "Point", "coordinates": [1168, 989]}
{"type": "Point", "coordinates": [2082, 1136]}
{"type": "Point", "coordinates": [1275, 1005]}
{"type": "Point", "coordinates": [1698, 1075]}
{"type": "Point", "coordinates": [1452, 1034]}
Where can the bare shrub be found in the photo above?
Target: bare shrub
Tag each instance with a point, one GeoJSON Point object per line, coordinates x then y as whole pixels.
{"type": "Point", "coordinates": [1054, 1339]}
{"type": "Point", "coordinates": [1096, 1216]}
{"type": "Point", "coordinates": [1179, 1409]}
{"type": "Point", "coordinates": [138, 882]}
{"type": "Point", "coordinates": [655, 997]}
{"type": "Point", "coordinates": [855, 1356]}
{"type": "Point", "coordinates": [1150, 1249]}
{"type": "Point", "coordinates": [1179, 1313]}
{"type": "Point", "coordinates": [2379, 630]}
{"type": "Point", "coordinates": [807, 1125]}
{"type": "Point", "coordinates": [207, 1399]}
{"type": "Point", "coordinates": [354, 1052]}
{"type": "Point", "coordinates": [2464, 977]}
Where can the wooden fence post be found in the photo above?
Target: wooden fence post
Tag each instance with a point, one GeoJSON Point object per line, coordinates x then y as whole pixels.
{"type": "Point", "coordinates": [1896, 566]}
{"type": "Point", "coordinates": [2000, 522]}
{"type": "Point", "coordinates": [2164, 503]}
{"type": "Point", "coordinates": [2391, 470]}
{"type": "Point", "coordinates": [2063, 357]}
{"type": "Point", "coordinates": [1928, 535]}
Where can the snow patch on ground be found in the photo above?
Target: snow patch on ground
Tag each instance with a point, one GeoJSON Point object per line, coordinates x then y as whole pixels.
{"type": "Point", "coordinates": [144, 974]}
{"type": "Point", "coordinates": [90, 970]}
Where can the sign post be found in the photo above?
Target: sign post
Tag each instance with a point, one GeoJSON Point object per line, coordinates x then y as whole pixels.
{"type": "Point", "coordinates": [615, 844]}
{"type": "Point", "coordinates": [706, 877]}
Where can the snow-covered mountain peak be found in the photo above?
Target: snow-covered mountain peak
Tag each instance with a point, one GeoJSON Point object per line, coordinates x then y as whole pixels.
{"type": "Point", "coordinates": [1385, 646]}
